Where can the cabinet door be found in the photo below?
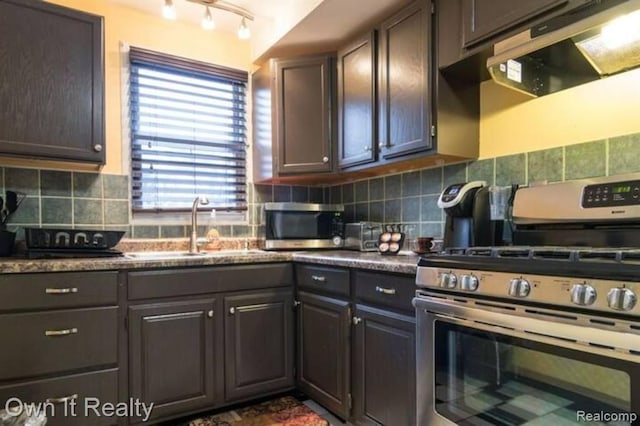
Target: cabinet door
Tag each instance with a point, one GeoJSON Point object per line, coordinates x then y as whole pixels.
{"type": "Point", "coordinates": [172, 355]}
{"type": "Point", "coordinates": [404, 88]}
{"type": "Point", "coordinates": [258, 343]}
{"type": "Point", "coordinates": [357, 102]}
{"type": "Point", "coordinates": [323, 351]}
{"type": "Point", "coordinates": [52, 75]}
{"type": "Point", "coordinates": [384, 385]}
{"type": "Point", "coordinates": [484, 18]}
{"type": "Point", "coordinates": [303, 109]}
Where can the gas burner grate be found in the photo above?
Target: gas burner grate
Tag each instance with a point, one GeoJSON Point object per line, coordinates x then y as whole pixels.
{"type": "Point", "coordinates": [600, 255]}
{"type": "Point", "coordinates": [554, 253]}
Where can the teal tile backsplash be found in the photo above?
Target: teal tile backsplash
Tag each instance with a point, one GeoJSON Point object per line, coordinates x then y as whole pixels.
{"type": "Point", "coordinates": [586, 160]}
{"type": "Point", "coordinates": [80, 199]}
{"type": "Point", "coordinates": [591, 159]}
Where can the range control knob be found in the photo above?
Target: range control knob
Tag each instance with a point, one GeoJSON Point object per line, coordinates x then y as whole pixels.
{"type": "Point", "coordinates": [583, 294]}
{"type": "Point", "coordinates": [448, 280]}
{"type": "Point", "coordinates": [621, 299]}
{"type": "Point", "coordinates": [519, 287]}
{"type": "Point", "coordinates": [469, 282]}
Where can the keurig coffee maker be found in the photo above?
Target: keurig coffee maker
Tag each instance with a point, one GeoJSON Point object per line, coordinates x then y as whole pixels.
{"type": "Point", "coordinates": [468, 222]}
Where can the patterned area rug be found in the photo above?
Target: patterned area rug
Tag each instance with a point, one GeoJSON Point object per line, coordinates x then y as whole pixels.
{"type": "Point", "coordinates": [285, 411]}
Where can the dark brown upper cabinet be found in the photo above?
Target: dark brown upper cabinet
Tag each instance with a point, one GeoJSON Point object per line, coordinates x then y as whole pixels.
{"type": "Point", "coordinates": [357, 129]}
{"type": "Point", "coordinates": [303, 90]}
{"type": "Point", "coordinates": [485, 18]}
{"type": "Point", "coordinates": [404, 81]}
{"type": "Point", "coordinates": [51, 82]}
{"type": "Point", "coordinates": [259, 343]}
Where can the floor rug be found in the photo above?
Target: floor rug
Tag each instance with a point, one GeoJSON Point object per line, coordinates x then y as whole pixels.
{"type": "Point", "coordinates": [285, 411]}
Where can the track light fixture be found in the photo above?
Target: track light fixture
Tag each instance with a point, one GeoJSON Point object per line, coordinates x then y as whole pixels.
{"type": "Point", "coordinates": [168, 10]}
{"type": "Point", "coordinates": [207, 20]}
{"type": "Point", "coordinates": [244, 32]}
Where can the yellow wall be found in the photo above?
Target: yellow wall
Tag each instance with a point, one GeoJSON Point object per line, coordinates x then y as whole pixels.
{"type": "Point", "coordinates": [512, 122]}
{"type": "Point", "coordinates": [152, 32]}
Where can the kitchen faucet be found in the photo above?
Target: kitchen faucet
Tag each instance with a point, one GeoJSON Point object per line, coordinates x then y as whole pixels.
{"type": "Point", "coordinates": [193, 241]}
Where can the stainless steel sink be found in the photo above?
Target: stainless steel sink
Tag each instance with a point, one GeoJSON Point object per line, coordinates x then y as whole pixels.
{"type": "Point", "coordinates": [152, 255]}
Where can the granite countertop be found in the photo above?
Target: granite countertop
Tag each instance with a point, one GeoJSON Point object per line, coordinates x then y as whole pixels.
{"type": "Point", "coordinates": [343, 258]}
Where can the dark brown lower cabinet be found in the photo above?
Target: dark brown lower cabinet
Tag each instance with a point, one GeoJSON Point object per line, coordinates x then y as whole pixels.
{"type": "Point", "coordinates": [324, 351]}
{"type": "Point", "coordinates": [384, 367]}
{"type": "Point", "coordinates": [258, 343]}
{"type": "Point", "coordinates": [172, 355]}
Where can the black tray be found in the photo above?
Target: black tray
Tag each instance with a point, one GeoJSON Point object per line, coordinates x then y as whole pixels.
{"type": "Point", "coordinates": [59, 238]}
{"type": "Point", "coordinates": [67, 253]}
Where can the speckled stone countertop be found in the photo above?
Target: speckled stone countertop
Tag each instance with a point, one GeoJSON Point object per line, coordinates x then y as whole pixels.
{"type": "Point", "coordinates": [401, 264]}
{"type": "Point", "coordinates": [155, 260]}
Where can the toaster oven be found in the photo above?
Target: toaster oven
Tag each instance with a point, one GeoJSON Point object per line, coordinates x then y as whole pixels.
{"type": "Point", "coordinates": [362, 236]}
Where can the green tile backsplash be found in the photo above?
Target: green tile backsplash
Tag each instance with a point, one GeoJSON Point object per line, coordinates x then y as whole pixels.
{"type": "Point", "coordinates": [398, 202]}
{"type": "Point", "coordinates": [79, 199]}
{"type": "Point", "coordinates": [586, 160]}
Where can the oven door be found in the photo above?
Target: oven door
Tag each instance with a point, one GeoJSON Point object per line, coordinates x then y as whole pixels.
{"type": "Point", "coordinates": [480, 366]}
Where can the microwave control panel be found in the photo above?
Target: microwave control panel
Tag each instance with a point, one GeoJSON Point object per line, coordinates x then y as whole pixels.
{"type": "Point", "coordinates": [611, 194]}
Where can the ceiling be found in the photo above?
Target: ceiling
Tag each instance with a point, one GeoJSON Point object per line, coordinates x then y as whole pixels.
{"type": "Point", "coordinates": [283, 27]}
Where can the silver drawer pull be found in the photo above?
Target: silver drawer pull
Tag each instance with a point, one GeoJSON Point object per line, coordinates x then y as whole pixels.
{"type": "Point", "coordinates": [62, 400]}
{"type": "Point", "coordinates": [68, 290]}
{"type": "Point", "coordinates": [318, 278]}
{"type": "Point", "coordinates": [68, 331]}
{"type": "Point", "coordinates": [385, 290]}
{"type": "Point", "coordinates": [232, 310]}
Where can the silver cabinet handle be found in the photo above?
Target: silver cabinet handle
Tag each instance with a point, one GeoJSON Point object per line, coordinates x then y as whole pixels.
{"type": "Point", "coordinates": [62, 400]}
{"type": "Point", "coordinates": [67, 332]}
{"type": "Point", "coordinates": [296, 303]}
{"type": "Point", "coordinates": [367, 148]}
{"type": "Point", "coordinates": [232, 310]}
{"type": "Point", "coordinates": [385, 290]}
{"type": "Point", "coordinates": [210, 313]}
{"type": "Point", "coordinates": [318, 278]}
{"type": "Point", "coordinates": [357, 320]}
{"type": "Point", "coordinates": [325, 159]}
{"type": "Point", "coordinates": [97, 147]}
{"type": "Point", "coordinates": [67, 290]}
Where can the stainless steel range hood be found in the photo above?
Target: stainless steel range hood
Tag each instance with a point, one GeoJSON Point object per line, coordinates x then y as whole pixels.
{"type": "Point", "coordinates": [595, 41]}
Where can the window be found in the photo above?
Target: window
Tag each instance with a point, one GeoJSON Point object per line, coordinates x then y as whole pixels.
{"type": "Point", "coordinates": [188, 133]}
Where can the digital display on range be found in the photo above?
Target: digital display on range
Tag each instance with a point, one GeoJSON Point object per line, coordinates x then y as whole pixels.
{"type": "Point", "coordinates": [612, 194]}
{"type": "Point", "coordinates": [623, 189]}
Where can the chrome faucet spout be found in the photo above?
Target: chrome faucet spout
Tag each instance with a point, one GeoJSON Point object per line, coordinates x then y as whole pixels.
{"type": "Point", "coordinates": [193, 241]}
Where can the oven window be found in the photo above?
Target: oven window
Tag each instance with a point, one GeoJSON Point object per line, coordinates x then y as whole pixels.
{"type": "Point", "coordinates": [486, 378]}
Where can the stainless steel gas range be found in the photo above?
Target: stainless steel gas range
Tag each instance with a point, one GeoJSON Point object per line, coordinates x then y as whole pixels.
{"type": "Point", "coordinates": [543, 334]}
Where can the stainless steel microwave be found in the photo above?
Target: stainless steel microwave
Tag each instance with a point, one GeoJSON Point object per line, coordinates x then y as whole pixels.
{"type": "Point", "coordinates": [303, 226]}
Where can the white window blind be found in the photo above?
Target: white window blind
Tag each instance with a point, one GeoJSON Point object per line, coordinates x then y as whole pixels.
{"type": "Point", "coordinates": [188, 133]}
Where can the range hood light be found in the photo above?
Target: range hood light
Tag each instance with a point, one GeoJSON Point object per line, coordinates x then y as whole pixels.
{"type": "Point", "coordinates": [603, 40]}
{"type": "Point", "coordinates": [622, 31]}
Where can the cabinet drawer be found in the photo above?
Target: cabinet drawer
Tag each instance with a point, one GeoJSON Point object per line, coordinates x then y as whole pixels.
{"type": "Point", "coordinates": [100, 385]}
{"type": "Point", "coordinates": [48, 342]}
{"type": "Point", "coordinates": [58, 290]}
{"type": "Point", "coordinates": [329, 280]}
{"type": "Point", "coordinates": [191, 281]}
{"type": "Point", "coordinates": [394, 291]}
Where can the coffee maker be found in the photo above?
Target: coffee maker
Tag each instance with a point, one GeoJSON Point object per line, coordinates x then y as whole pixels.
{"type": "Point", "coordinates": [468, 210]}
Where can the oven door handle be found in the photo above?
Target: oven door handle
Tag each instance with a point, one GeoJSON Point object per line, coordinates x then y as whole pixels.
{"type": "Point", "coordinates": [613, 343]}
